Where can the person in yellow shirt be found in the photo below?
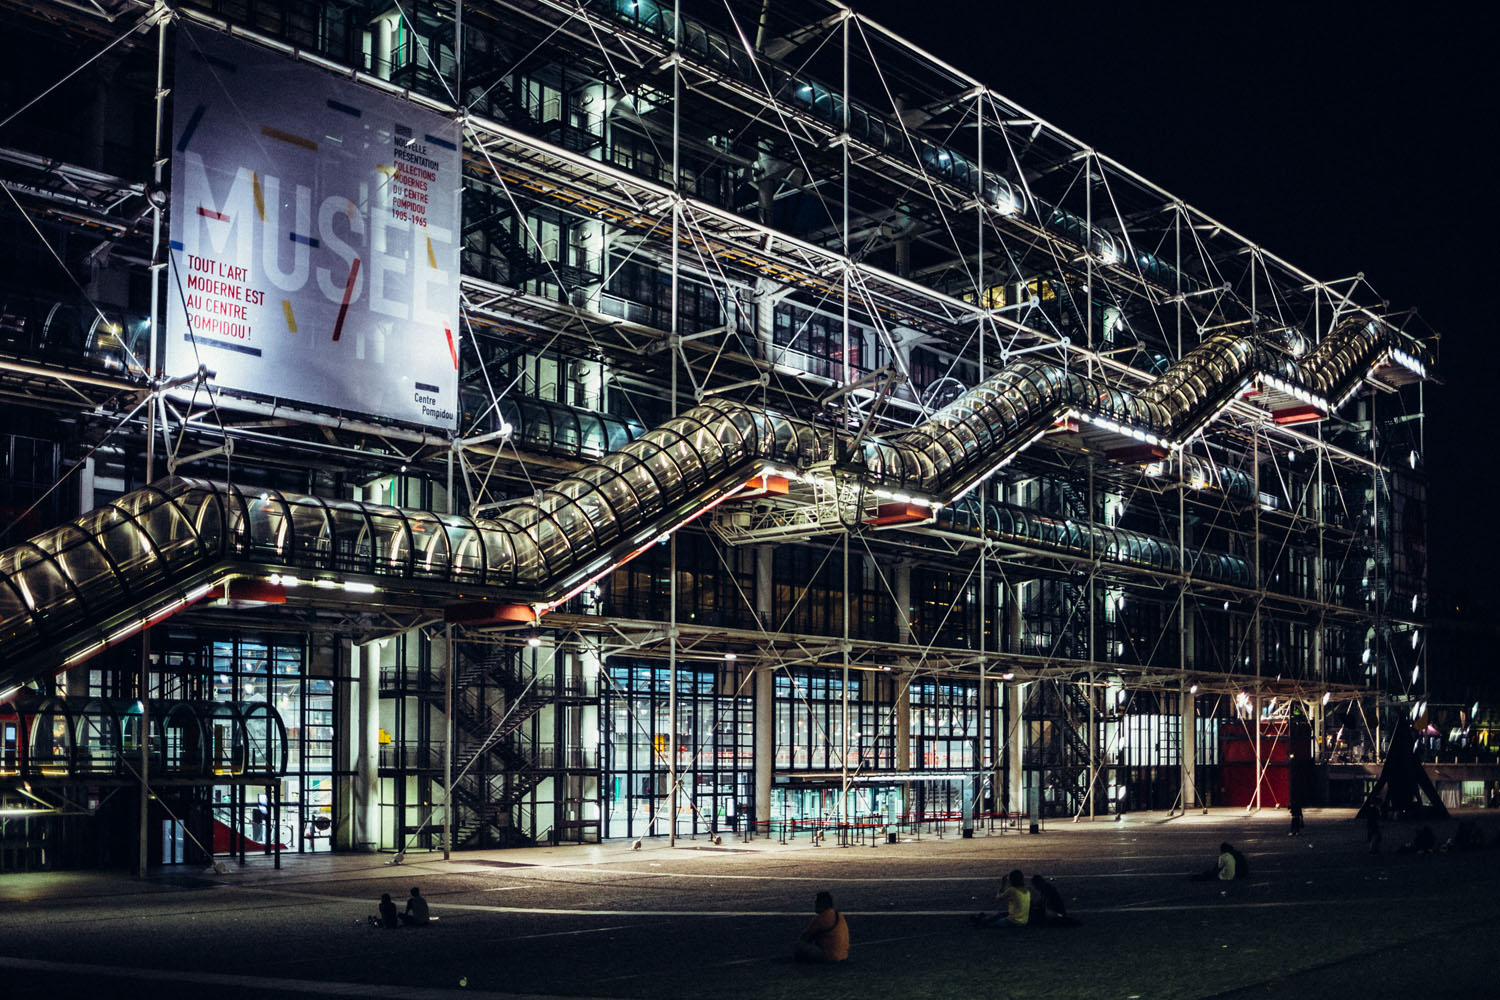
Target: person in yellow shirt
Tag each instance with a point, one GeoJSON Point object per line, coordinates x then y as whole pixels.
{"type": "Point", "coordinates": [1017, 899]}
{"type": "Point", "coordinates": [827, 936]}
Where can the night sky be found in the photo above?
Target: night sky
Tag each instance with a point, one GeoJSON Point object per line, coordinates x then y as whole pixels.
{"type": "Point", "coordinates": [1342, 139]}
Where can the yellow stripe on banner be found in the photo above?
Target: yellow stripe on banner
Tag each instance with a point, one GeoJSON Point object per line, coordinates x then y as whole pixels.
{"type": "Point", "coordinates": [287, 137]}
{"type": "Point", "coordinates": [388, 171]}
{"type": "Point", "coordinates": [431, 257]}
{"type": "Point", "coordinates": [291, 319]}
{"type": "Point", "coordinates": [260, 198]}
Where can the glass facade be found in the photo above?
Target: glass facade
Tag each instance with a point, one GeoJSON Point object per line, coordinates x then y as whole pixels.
{"type": "Point", "coordinates": [712, 740]}
{"type": "Point", "coordinates": [1126, 521]}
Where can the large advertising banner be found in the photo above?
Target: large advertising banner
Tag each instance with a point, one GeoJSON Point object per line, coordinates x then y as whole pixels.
{"type": "Point", "coordinates": [314, 236]}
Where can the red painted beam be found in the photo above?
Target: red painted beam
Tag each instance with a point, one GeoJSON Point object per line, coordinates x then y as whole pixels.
{"type": "Point", "coordinates": [1297, 414]}
{"type": "Point", "coordinates": [898, 513]}
{"type": "Point", "coordinates": [488, 613]}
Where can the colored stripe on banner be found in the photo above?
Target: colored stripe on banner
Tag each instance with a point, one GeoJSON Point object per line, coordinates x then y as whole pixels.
{"type": "Point", "coordinates": [338, 326]}
{"type": "Point", "coordinates": [431, 257]}
{"type": "Point", "coordinates": [191, 127]}
{"type": "Point", "coordinates": [388, 171]}
{"type": "Point", "coordinates": [287, 137]}
{"type": "Point", "coordinates": [260, 197]}
{"type": "Point", "coordinates": [291, 317]}
{"type": "Point", "coordinates": [209, 213]}
{"type": "Point", "coordinates": [427, 388]}
{"type": "Point", "coordinates": [440, 142]}
{"type": "Point", "coordinates": [223, 345]}
{"type": "Point", "coordinates": [346, 109]}
{"type": "Point", "coordinates": [176, 245]}
{"type": "Point", "coordinates": [452, 350]}
{"type": "Point", "coordinates": [311, 241]}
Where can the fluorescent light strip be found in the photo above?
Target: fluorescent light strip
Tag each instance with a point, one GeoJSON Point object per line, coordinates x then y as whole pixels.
{"type": "Point", "coordinates": [1118, 428]}
{"type": "Point", "coordinates": [131, 628]}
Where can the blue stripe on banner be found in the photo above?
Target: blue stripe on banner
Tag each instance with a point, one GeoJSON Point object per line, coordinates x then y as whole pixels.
{"type": "Point", "coordinates": [225, 345]}
{"type": "Point", "coordinates": [311, 241]}
{"type": "Point", "coordinates": [175, 244]}
{"type": "Point", "coordinates": [223, 64]}
{"type": "Point", "coordinates": [439, 142]}
{"type": "Point", "coordinates": [428, 388]}
{"type": "Point", "coordinates": [191, 127]}
{"type": "Point", "coordinates": [346, 109]}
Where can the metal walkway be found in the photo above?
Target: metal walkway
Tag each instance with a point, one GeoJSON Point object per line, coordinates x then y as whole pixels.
{"type": "Point", "coordinates": [77, 589]}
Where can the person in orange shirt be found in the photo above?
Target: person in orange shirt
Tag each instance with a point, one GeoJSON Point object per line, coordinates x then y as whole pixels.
{"type": "Point", "coordinates": [827, 936]}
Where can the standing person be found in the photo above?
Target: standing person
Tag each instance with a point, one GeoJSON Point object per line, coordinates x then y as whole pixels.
{"type": "Point", "coordinates": [1224, 867]}
{"type": "Point", "coordinates": [1370, 812]}
{"type": "Point", "coordinates": [417, 914]}
{"type": "Point", "coordinates": [826, 938]}
{"type": "Point", "coordinates": [1017, 909]}
{"type": "Point", "coordinates": [1296, 811]}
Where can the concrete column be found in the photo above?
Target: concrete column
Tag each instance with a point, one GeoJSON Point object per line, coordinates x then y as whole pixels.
{"type": "Point", "coordinates": [1092, 693]}
{"type": "Point", "coordinates": [764, 592]}
{"type": "Point", "coordinates": [86, 486]}
{"type": "Point", "coordinates": [1013, 621]}
{"type": "Point", "coordinates": [902, 587]}
{"type": "Point", "coordinates": [765, 761]}
{"type": "Point", "coordinates": [765, 317]}
{"type": "Point", "coordinates": [380, 42]}
{"type": "Point", "coordinates": [1189, 751]}
{"type": "Point", "coordinates": [1015, 742]}
{"type": "Point", "coordinates": [765, 688]}
{"type": "Point", "coordinates": [903, 724]}
{"type": "Point", "coordinates": [1317, 713]}
{"type": "Point", "coordinates": [364, 666]}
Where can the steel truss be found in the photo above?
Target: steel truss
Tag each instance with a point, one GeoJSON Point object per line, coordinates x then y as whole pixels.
{"type": "Point", "coordinates": [847, 204]}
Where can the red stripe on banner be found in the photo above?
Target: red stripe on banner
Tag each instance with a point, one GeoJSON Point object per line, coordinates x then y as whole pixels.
{"type": "Point", "coordinates": [338, 327]}
{"type": "Point", "coordinates": [451, 349]}
{"type": "Point", "coordinates": [209, 213]}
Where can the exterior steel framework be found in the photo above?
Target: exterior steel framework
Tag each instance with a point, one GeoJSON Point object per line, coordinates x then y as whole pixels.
{"type": "Point", "coordinates": [839, 438]}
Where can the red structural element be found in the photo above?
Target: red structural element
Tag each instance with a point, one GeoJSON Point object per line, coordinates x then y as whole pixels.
{"type": "Point", "coordinates": [488, 613]}
{"type": "Point", "coordinates": [1297, 415]}
{"type": "Point", "coordinates": [248, 592]}
{"type": "Point", "coordinates": [763, 486]}
{"type": "Point", "coordinates": [1280, 747]}
{"type": "Point", "coordinates": [227, 841]}
{"type": "Point", "coordinates": [1136, 454]}
{"type": "Point", "coordinates": [1067, 425]}
{"type": "Point", "coordinates": [899, 513]}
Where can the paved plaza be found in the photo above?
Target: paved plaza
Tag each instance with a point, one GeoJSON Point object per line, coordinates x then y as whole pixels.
{"type": "Point", "coordinates": [1318, 917]}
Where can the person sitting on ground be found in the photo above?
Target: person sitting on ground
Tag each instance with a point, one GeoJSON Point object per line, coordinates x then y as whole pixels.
{"type": "Point", "coordinates": [1241, 863]}
{"type": "Point", "coordinates": [1425, 842]}
{"type": "Point", "coordinates": [388, 917]}
{"type": "Point", "coordinates": [826, 938]}
{"type": "Point", "coordinates": [1017, 909]}
{"type": "Point", "coordinates": [1047, 904]}
{"type": "Point", "coordinates": [1468, 837]}
{"type": "Point", "coordinates": [416, 914]}
{"type": "Point", "coordinates": [1224, 868]}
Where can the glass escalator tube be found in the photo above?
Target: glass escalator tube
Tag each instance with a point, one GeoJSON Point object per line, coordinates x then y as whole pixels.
{"type": "Point", "coordinates": [115, 560]}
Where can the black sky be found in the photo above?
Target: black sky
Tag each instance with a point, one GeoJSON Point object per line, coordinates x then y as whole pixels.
{"type": "Point", "coordinates": [1342, 138]}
